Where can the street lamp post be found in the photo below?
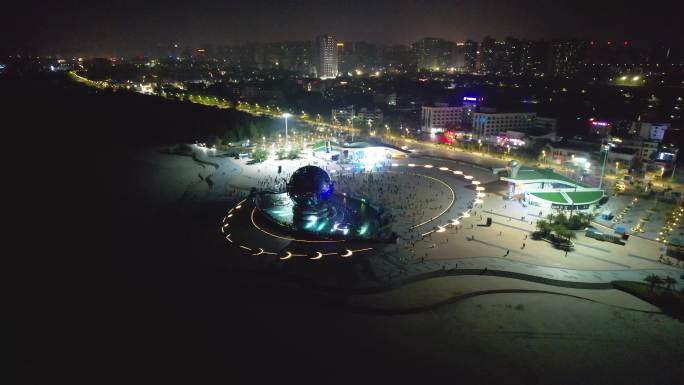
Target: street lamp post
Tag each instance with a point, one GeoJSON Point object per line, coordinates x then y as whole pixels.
{"type": "Point", "coordinates": [605, 148]}
{"type": "Point", "coordinates": [286, 115]}
{"type": "Point", "coordinates": [351, 123]}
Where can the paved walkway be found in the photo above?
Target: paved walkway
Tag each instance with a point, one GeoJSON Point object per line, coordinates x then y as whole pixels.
{"type": "Point", "coordinates": [500, 266]}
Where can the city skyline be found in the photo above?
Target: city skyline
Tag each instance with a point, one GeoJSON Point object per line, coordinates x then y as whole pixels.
{"type": "Point", "coordinates": [126, 28]}
{"type": "Point", "coordinates": [334, 192]}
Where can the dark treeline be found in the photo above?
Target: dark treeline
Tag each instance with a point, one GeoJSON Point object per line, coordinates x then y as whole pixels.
{"type": "Point", "coordinates": [62, 110]}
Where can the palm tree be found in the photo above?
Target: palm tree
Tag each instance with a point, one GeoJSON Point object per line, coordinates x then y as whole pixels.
{"type": "Point", "coordinates": [569, 234]}
{"type": "Point", "coordinates": [544, 226]}
{"type": "Point", "coordinates": [654, 280]}
{"type": "Point", "coordinates": [669, 281]}
{"type": "Point", "coordinates": [561, 219]}
{"type": "Point", "coordinates": [560, 230]}
{"type": "Point", "coordinates": [564, 233]}
{"type": "Point", "coordinates": [580, 216]}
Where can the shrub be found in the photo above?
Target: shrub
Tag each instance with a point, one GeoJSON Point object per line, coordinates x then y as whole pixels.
{"type": "Point", "coordinates": [259, 155]}
{"type": "Point", "coordinates": [281, 153]}
{"type": "Point", "coordinates": [293, 154]}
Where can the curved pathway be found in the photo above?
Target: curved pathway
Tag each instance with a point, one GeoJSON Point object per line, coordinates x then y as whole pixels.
{"type": "Point", "coordinates": [499, 266]}
{"type": "Point", "coordinates": [457, 298]}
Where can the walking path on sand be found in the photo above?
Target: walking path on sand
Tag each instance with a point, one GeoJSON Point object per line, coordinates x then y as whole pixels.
{"type": "Point", "coordinates": [503, 267]}
{"type": "Point", "coordinates": [431, 293]}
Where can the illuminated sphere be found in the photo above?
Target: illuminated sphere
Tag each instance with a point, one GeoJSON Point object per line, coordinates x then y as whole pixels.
{"type": "Point", "coordinates": [309, 185]}
{"type": "Point", "coordinates": [513, 163]}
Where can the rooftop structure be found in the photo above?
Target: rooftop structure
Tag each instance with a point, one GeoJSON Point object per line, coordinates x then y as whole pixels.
{"type": "Point", "coordinates": [546, 188]}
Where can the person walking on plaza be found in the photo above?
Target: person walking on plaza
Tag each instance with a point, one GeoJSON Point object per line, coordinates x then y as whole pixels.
{"type": "Point", "coordinates": [523, 246]}
{"type": "Point", "coordinates": [507, 252]}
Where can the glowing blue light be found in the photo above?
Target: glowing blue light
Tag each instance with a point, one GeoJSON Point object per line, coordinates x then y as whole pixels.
{"type": "Point", "coordinates": [321, 226]}
{"type": "Point", "coordinates": [343, 228]}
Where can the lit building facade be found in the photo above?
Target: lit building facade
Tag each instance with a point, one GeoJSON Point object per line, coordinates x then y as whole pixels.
{"type": "Point", "coordinates": [544, 123]}
{"type": "Point", "coordinates": [487, 124]}
{"type": "Point", "coordinates": [650, 131]}
{"type": "Point", "coordinates": [437, 119]}
{"type": "Point", "coordinates": [645, 149]}
{"type": "Point", "coordinates": [342, 115]}
{"type": "Point", "coordinates": [370, 117]}
{"type": "Point", "coordinates": [434, 53]}
{"type": "Point", "coordinates": [326, 56]}
{"type": "Point", "coordinates": [469, 56]}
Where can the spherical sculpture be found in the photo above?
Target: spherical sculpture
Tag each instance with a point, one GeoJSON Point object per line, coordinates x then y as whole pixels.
{"type": "Point", "coordinates": [309, 185]}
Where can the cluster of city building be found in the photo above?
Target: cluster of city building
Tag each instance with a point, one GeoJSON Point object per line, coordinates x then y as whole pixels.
{"type": "Point", "coordinates": [328, 57]}
{"type": "Point", "coordinates": [630, 146]}
{"type": "Point", "coordinates": [343, 79]}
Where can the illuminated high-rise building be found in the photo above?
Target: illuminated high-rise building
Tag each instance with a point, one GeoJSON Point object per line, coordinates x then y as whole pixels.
{"type": "Point", "coordinates": [326, 56]}
{"type": "Point", "coordinates": [434, 53]}
{"type": "Point", "coordinates": [469, 56]}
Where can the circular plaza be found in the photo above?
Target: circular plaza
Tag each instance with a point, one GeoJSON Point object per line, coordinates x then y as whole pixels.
{"type": "Point", "coordinates": [343, 213]}
{"type": "Point", "coordinates": [423, 216]}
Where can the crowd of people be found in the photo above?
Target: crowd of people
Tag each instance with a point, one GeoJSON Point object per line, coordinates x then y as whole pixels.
{"type": "Point", "coordinates": [409, 202]}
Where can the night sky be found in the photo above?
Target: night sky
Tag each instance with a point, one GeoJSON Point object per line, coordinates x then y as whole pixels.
{"type": "Point", "coordinates": [115, 27]}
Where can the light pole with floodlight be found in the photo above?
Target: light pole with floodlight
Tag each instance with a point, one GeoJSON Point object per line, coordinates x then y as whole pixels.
{"type": "Point", "coordinates": [286, 115]}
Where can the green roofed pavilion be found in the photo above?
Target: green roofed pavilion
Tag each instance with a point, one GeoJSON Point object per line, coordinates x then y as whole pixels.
{"type": "Point", "coordinates": [531, 174]}
{"type": "Point", "coordinates": [320, 146]}
{"type": "Point", "coordinates": [554, 197]}
{"type": "Point", "coordinates": [585, 197]}
{"type": "Point", "coordinates": [545, 188]}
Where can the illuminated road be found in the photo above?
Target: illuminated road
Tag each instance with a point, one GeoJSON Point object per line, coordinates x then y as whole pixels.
{"type": "Point", "coordinates": [433, 150]}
